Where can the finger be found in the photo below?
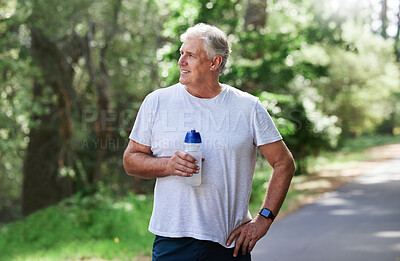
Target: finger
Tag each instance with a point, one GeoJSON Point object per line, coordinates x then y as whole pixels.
{"type": "Point", "coordinates": [186, 169]}
{"type": "Point", "coordinates": [232, 236]}
{"type": "Point", "coordinates": [184, 159]}
{"type": "Point", "coordinates": [177, 166]}
{"type": "Point", "coordinates": [187, 157]}
{"type": "Point", "coordinates": [182, 174]}
{"type": "Point", "coordinates": [245, 245]}
{"type": "Point", "coordinates": [238, 244]}
{"type": "Point", "coordinates": [187, 164]}
{"type": "Point", "coordinates": [252, 244]}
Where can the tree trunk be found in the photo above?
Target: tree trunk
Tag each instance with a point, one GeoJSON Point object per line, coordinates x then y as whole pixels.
{"type": "Point", "coordinates": [397, 37]}
{"type": "Point", "coordinates": [49, 146]}
{"type": "Point", "coordinates": [255, 19]}
{"type": "Point", "coordinates": [384, 18]}
{"type": "Point", "coordinates": [41, 186]}
{"type": "Point", "coordinates": [256, 15]}
{"type": "Point", "coordinates": [100, 79]}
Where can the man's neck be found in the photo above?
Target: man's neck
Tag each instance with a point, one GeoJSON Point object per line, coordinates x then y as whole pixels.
{"type": "Point", "coordinates": [205, 91]}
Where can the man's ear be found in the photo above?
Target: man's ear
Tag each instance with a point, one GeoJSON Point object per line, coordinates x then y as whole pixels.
{"type": "Point", "coordinates": [216, 63]}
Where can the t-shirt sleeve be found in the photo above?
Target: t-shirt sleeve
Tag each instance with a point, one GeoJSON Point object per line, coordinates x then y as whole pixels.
{"type": "Point", "coordinates": [142, 129]}
{"type": "Point", "coordinates": [265, 130]}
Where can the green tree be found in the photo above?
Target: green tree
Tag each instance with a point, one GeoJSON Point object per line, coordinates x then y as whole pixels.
{"type": "Point", "coordinates": [86, 63]}
{"type": "Point", "coordinates": [14, 106]}
{"type": "Point", "coordinates": [360, 83]}
{"type": "Point", "coordinates": [74, 73]}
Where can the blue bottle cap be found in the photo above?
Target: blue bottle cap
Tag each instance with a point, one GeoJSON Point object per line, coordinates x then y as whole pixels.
{"type": "Point", "coordinates": [192, 137]}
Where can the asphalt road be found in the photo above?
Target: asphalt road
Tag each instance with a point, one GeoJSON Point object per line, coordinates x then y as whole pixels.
{"type": "Point", "coordinates": [358, 221]}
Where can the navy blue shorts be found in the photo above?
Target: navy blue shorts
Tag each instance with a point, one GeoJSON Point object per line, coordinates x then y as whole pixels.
{"type": "Point", "coordinates": [190, 249]}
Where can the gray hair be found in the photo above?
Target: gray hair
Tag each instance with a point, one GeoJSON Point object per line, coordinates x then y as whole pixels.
{"type": "Point", "coordinates": [215, 41]}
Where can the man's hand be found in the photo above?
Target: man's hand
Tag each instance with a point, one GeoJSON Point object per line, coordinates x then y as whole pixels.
{"type": "Point", "coordinates": [139, 161]}
{"type": "Point", "coordinates": [248, 234]}
{"type": "Point", "coordinates": [182, 164]}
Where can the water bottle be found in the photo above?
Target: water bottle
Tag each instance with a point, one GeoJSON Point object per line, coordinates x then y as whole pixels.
{"type": "Point", "coordinates": [192, 146]}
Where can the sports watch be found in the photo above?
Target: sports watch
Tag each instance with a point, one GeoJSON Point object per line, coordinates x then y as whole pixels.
{"type": "Point", "coordinates": [265, 212]}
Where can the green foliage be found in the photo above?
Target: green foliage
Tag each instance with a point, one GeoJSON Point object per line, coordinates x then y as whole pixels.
{"type": "Point", "coordinates": [305, 130]}
{"type": "Point", "coordinates": [261, 178]}
{"type": "Point", "coordinates": [81, 227]}
{"type": "Point", "coordinates": [360, 84]}
{"type": "Point", "coordinates": [353, 151]}
{"type": "Point", "coordinates": [99, 225]}
{"type": "Point", "coordinates": [322, 76]}
{"type": "Point", "coordinates": [15, 106]}
{"type": "Point", "coordinates": [277, 105]}
{"type": "Point", "coordinates": [364, 142]}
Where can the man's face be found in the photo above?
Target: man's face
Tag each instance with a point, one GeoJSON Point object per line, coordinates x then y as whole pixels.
{"type": "Point", "coordinates": [193, 64]}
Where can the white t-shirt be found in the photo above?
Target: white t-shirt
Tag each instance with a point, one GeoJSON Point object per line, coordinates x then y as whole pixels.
{"type": "Point", "coordinates": [231, 126]}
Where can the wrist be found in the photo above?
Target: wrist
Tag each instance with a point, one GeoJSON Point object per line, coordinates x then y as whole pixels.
{"type": "Point", "coordinates": [165, 171]}
{"type": "Point", "coordinates": [264, 222]}
{"type": "Point", "coordinates": [267, 214]}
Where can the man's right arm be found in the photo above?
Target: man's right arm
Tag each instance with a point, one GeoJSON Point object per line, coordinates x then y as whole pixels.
{"type": "Point", "coordinates": [139, 161]}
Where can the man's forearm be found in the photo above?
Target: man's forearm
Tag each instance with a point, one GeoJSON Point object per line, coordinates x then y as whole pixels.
{"type": "Point", "coordinates": [145, 166]}
{"type": "Point", "coordinates": [249, 233]}
{"type": "Point", "coordinates": [278, 186]}
{"type": "Point", "coordinates": [139, 161]}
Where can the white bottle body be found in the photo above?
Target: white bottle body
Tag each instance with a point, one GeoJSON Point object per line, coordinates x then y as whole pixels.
{"type": "Point", "coordinates": [194, 150]}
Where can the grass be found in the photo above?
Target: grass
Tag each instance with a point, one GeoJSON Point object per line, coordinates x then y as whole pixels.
{"type": "Point", "coordinates": [81, 228]}
{"type": "Point", "coordinates": [101, 227]}
{"type": "Point", "coordinates": [353, 151]}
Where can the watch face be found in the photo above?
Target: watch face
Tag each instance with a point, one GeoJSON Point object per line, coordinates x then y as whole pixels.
{"type": "Point", "coordinates": [265, 212]}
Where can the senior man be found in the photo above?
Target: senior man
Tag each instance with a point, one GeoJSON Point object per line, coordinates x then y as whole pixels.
{"type": "Point", "coordinates": [210, 221]}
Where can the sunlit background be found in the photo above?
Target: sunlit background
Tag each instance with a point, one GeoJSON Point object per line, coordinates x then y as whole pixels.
{"type": "Point", "coordinates": [74, 73]}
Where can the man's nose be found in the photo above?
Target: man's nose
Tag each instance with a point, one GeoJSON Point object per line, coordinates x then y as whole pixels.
{"type": "Point", "coordinates": [182, 60]}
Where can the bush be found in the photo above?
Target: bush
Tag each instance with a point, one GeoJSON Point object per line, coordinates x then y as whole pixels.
{"type": "Point", "coordinates": [81, 227]}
